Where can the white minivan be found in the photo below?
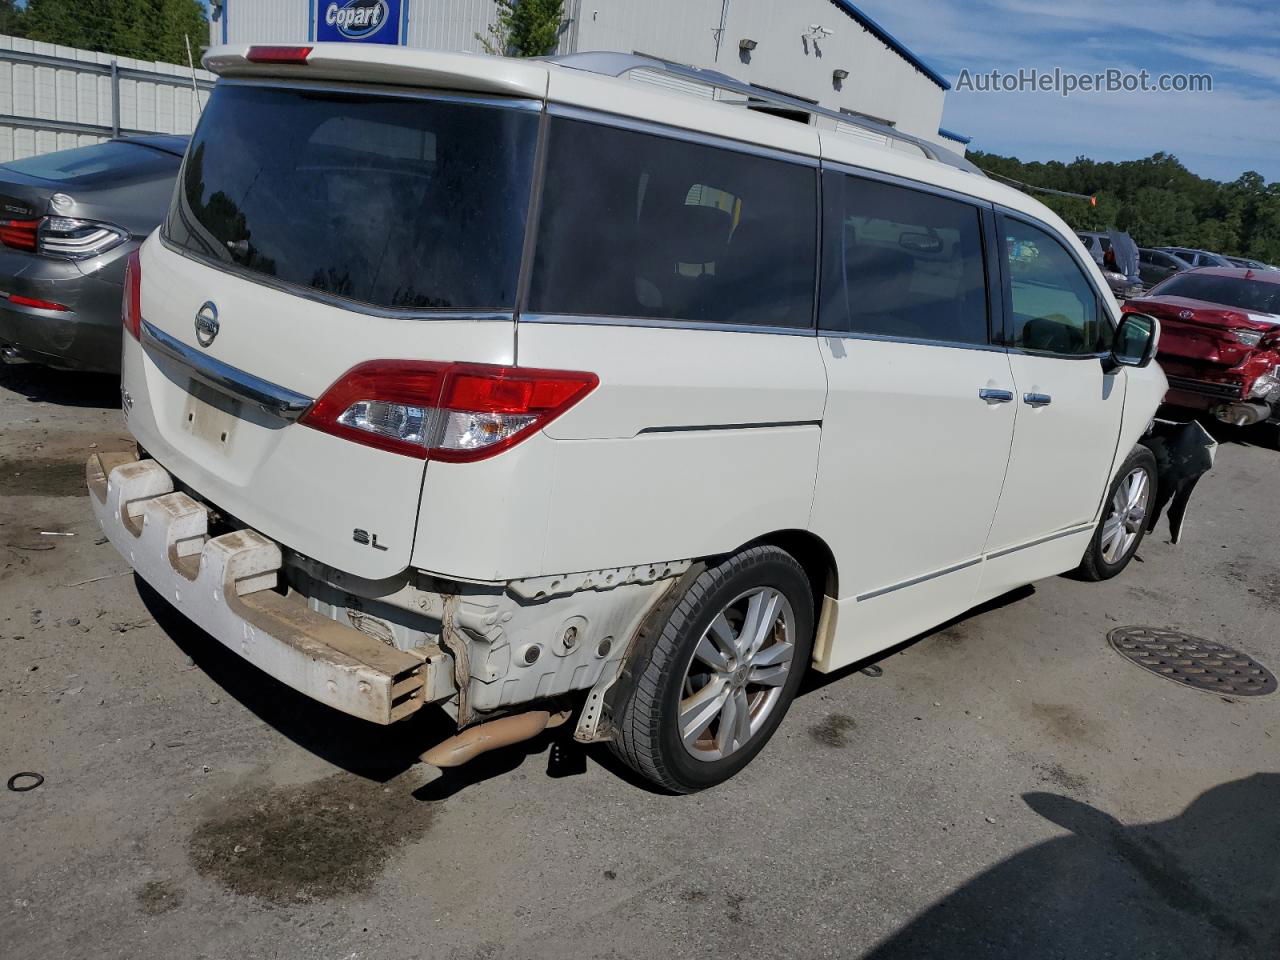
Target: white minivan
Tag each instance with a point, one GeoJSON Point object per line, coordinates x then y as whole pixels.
{"type": "Point", "coordinates": [539, 394]}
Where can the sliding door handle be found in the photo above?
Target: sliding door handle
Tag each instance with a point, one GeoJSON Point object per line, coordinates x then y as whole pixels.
{"type": "Point", "coordinates": [995, 396]}
{"type": "Point", "coordinates": [1037, 399]}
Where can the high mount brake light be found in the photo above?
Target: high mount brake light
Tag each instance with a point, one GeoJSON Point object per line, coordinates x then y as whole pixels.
{"type": "Point", "coordinates": [131, 303]}
{"type": "Point", "coordinates": [457, 412]}
{"type": "Point", "coordinates": [270, 54]}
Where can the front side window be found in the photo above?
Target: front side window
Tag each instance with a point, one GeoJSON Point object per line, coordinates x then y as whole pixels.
{"type": "Point", "coordinates": [398, 202]}
{"type": "Point", "coordinates": [1055, 308]}
{"type": "Point", "coordinates": [640, 226]}
{"type": "Point", "coordinates": [901, 263]}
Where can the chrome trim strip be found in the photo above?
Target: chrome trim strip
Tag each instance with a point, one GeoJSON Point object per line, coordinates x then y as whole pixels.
{"type": "Point", "coordinates": [894, 180]}
{"type": "Point", "coordinates": [319, 296]}
{"type": "Point", "coordinates": [1071, 532]}
{"type": "Point", "coordinates": [226, 379]}
{"type": "Point", "coordinates": [708, 427]}
{"type": "Point", "coordinates": [884, 338]}
{"type": "Point", "coordinates": [679, 133]}
{"type": "Point", "coordinates": [918, 580]}
{"type": "Point", "coordinates": [594, 321]}
{"type": "Point", "coordinates": [380, 89]}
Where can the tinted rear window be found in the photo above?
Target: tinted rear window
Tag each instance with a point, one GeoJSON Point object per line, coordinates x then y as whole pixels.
{"type": "Point", "coordinates": [1236, 292]}
{"type": "Point", "coordinates": [399, 202]}
{"type": "Point", "coordinates": [84, 166]}
{"type": "Point", "coordinates": [642, 226]}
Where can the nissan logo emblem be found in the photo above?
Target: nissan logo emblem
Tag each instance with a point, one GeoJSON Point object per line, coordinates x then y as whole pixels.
{"type": "Point", "coordinates": [207, 323]}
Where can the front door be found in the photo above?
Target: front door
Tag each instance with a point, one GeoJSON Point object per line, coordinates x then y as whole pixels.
{"type": "Point", "coordinates": [919, 415]}
{"type": "Point", "coordinates": [1068, 407]}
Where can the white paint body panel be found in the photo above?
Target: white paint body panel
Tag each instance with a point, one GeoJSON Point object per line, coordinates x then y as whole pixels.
{"type": "Point", "coordinates": [695, 443]}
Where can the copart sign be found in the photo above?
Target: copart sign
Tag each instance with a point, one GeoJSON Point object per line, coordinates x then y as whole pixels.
{"type": "Point", "coordinates": [358, 21]}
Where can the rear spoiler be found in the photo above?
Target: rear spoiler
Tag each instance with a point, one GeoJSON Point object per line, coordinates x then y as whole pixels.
{"type": "Point", "coordinates": [393, 66]}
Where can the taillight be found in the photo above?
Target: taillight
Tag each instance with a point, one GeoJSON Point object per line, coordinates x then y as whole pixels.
{"type": "Point", "coordinates": [62, 236]}
{"type": "Point", "coordinates": [275, 54]}
{"type": "Point", "coordinates": [19, 234]}
{"type": "Point", "coordinates": [78, 239]}
{"type": "Point", "coordinates": [458, 412]}
{"type": "Point", "coordinates": [131, 303]}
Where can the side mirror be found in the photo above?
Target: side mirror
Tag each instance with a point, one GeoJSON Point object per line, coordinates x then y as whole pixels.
{"type": "Point", "coordinates": [1136, 342]}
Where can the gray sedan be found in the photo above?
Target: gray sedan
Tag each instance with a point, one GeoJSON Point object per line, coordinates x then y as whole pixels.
{"type": "Point", "coordinates": [68, 222]}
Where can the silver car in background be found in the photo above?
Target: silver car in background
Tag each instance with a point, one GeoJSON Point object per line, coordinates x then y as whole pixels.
{"type": "Point", "coordinates": [68, 222]}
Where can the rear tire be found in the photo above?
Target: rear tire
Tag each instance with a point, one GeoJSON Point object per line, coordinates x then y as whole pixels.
{"type": "Point", "coordinates": [709, 688]}
{"type": "Point", "coordinates": [1124, 518]}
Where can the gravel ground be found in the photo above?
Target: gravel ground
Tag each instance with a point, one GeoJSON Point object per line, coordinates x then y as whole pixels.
{"type": "Point", "coordinates": [1007, 787]}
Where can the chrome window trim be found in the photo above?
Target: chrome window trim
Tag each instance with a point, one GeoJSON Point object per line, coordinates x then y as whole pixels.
{"type": "Point", "coordinates": [230, 381]}
{"type": "Point", "coordinates": [915, 581]}
{"type": "Point", "coordinates": [869, 173]}
{"type": "Point", "coordinates": [386, 90]}
{"type": "Point", "coordinates": [586, 320]}
{"type": "Point", "coordinates": [684, 134]}
{"type": "Point", "coordinates": [1069, 532]}
{"type": "Point", "coordinates": [720, 427]}
{"type": "Point", "coordinates": [889, 338]}
{"type": "Point", "coordinates": [328, 299]}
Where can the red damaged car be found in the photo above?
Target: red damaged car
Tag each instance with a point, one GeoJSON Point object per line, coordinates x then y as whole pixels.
{"type": "Point", "coordinates": [1220, 341]}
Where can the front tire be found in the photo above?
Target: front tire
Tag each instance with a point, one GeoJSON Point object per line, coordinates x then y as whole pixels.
{"type": "Point", "coordinates": [712, 685]}
{"type": "Point", "coordinates": [1124, 518]}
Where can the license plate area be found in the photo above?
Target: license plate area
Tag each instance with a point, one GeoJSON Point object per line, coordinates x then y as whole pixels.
{"type": "Point", "coordinates": [210, 416]}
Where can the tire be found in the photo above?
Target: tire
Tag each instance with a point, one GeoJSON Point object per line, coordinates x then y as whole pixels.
{"type": "Point", "coordinates": [1114, 544]}
{"type": "Point", "coordinates": [664, 673]}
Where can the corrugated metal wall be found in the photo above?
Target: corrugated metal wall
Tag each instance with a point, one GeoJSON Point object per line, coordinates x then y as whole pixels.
{"type": "Point", "coordinates": [54, 97]}
{"type": "Point", "coordinates": [262, 21]}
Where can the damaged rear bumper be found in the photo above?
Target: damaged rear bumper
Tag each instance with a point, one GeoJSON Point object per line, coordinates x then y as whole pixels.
{"type": "Point", "coordinates": [226, 586]}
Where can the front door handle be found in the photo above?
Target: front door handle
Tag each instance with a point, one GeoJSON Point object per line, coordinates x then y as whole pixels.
{"type": "Point", "coordinates": [1037, 399]}
{"type": "Point", "coordinates": [996, 396]}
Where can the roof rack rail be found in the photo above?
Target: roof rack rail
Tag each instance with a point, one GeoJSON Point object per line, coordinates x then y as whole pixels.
{"type": "Point", "coordinates": [610, 64]}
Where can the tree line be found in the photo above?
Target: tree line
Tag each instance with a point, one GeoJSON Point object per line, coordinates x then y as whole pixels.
{"type": "Point", "coordinates": [144, 29]}
{"type": "Point", "coordinates": [1158, 201]}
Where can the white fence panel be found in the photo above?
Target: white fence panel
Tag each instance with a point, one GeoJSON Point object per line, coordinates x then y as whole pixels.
{"type": "Point", "coordinates": [54, 97]}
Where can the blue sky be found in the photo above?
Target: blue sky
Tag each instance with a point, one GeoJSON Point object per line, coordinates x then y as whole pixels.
{"type": "Point", "coordinates": [1220, 134]}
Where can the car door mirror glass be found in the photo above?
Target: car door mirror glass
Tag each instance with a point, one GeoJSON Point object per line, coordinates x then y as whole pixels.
{"type": "Point", "coordinates": [1136, 340]}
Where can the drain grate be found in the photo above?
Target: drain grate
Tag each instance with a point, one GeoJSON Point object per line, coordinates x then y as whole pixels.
{"type": "Point", "coordinates": [1193, 661]}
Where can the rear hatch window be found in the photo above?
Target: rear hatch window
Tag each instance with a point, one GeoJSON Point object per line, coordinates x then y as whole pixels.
{"type": "Point", "coordinates": [401, 202]}
{"type": "Point", "coordinates": [101, 163]}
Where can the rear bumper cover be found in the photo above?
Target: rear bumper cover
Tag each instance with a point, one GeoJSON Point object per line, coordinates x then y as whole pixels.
{"type": "Point", "coordinates": [225, 586]}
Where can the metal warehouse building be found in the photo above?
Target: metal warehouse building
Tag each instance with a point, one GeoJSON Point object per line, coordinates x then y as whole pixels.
{"type": "Point", "coordinates": [827, 52]}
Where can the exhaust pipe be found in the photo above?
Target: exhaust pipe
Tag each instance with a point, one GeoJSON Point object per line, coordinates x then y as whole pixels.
{"type": "Point", "coordinates": [1243, 414]}
{"type": "Point", "coordinates": [11, 356]}
{"type": "Point", "coordinates": [493, 735]}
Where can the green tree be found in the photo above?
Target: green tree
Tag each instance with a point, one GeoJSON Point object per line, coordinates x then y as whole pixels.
{"type": "Point", "coordinates": [1157, 200]}
{"type": "Point", "coordinates": [144, 29]}
{"type": "Point", "coordinates": [524, 28]}
{"type": "Point", "coordinates": [12, 19]}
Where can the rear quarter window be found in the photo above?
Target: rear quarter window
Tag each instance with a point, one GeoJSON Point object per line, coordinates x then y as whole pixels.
{"type": "Point", "coordinates": [636, 225]}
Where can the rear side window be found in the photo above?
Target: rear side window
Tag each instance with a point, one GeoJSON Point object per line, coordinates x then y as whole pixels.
{"type": "Point", "coordinates": [641, 226]}
{"type": "Point", "coordinates": [1054, 305]}
{"type": "Point", "coordinates": [401, 203]}
{"type": "Point", "coordinates": [902, 263]}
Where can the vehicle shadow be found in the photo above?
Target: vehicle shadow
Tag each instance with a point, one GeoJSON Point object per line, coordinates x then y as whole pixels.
{"type": "Point", "coordinates": [1200, 885]}
{"type": "Point", "coordinates": [365, 749]}
{"type": "Point", "coordinates": [65, 388]}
